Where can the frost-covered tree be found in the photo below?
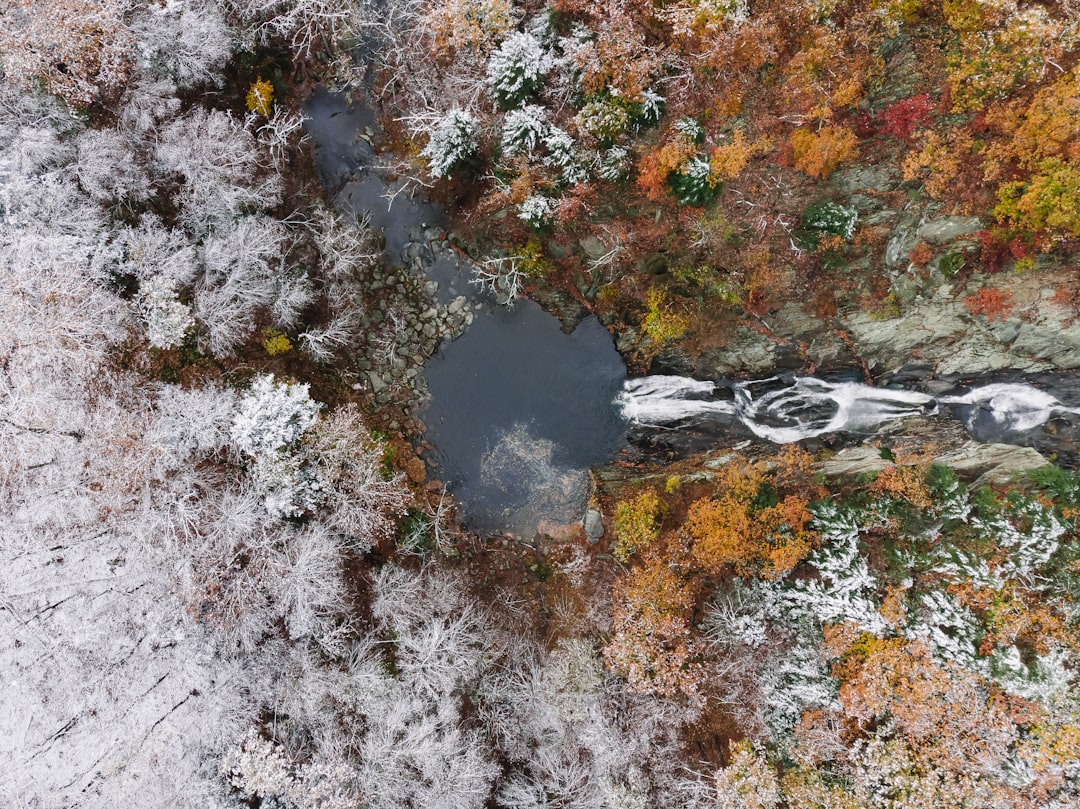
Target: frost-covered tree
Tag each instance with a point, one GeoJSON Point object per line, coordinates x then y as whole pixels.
{"type": "Point", "coordinates": [845, 589]}
{"type": "Point", "coordinates": [272, 415]}
{"type": "Point", "coordinates": [224, 171]}
{"type": "Point", "coordinates": [76, 48]}
{"type": "Point", "coordinates": [108, 170]}
{"type": "Point", "coordinates": [356, 496]}
{"type": "Point", "coordinates": [524, 130]}
{"type": "Point", "coordinates": [243, 276]}
{"type": "Point", "coordinates": [515, 69]}
{"type": "Point", "coordinates": [167, 319]}
{"type": "Point", "coordinates": [537, 210]}
{"type": "Point", "coordinates": [304, 24]}
{"type": "Point", "coordinates": [187, 43]}
{"type": "Point", "coordinates": [451, 142]}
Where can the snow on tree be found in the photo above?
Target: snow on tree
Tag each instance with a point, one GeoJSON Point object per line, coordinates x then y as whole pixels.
{"type": "Point", "coordinates": [167, 319]}
{"type": "Point", "coordinates": [524, 130]}
{"type": "Point", "coordinates": [111, 696]}
{"type": "Point", "coordinates": [561, 154]}
{"type": "Point", "coordinates": [537, 210]}
{"type": "Point", "coordinates": [272, 416]}
{"type": "Point", "coordinates": [356, 497]}
{"type": "Point", "coordinates": [186, 42]}
{"type": "Point", "coordinates": [108, 170]}
{"type": "Point", "coordinates": [613, 165]}
{"type": "Point", "coordinates": [451, 142]}
{"type": "Point", "coordinates": [515, 69]}
{"type": "Point", "coordinates": [948, 627]}
{"type": "Point", "coordinates": [845, 588]}
{"type": "Point", "coordinates": [224, 170]}
{"type": "Point", "coordinates": [192, 423]}
{"type": "Point", "coordinates": [303, 24]}
{"type": "Point", "coordinates": [76, 48]}
{"type": "Point", "coordinates": [152, 250]}
{"type": "Point", "coordinates": [244, 274]}
{"type": "Point", "coordinates": [1031, 532]}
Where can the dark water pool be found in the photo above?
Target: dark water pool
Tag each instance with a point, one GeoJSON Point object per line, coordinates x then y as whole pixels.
{"type": "Point", "coordinates": [519, 412]}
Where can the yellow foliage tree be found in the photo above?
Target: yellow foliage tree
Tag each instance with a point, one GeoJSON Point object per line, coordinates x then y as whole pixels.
{"type": "Point", "coordinates": [636, 524]}
{"type": "Point", "coordinates": [260, 97]}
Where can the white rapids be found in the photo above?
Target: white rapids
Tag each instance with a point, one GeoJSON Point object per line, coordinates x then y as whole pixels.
{"type": "Point", "coordinates": [805, 407]}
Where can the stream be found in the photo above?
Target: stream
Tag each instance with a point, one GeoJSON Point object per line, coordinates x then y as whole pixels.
{"type": "Point", "coordinates": [519, 410]}
{"type": "Point", "coordinates": [787, 408]}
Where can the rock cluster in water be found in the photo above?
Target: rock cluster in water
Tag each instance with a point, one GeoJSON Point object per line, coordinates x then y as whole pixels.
{"type": "Point", "coordinates": [408, 324]}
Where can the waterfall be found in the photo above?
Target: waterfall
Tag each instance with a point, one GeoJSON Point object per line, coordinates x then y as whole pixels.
{"type": "Point", "coordinates": [782, 410]}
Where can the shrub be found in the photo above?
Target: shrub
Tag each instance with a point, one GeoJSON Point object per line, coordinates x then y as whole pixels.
{"type": "Point", "coordinates": [901, 118]}
{"type": "Point", "coordinates": [951, 263]}
{"type": "Point", "coordinates": [537, 210]}
{"type": "Point", "coordinates": [991, 303]}
{"type": "Point", "coordinates": [274, 342]}
{"type": "Point", "coordinates": [1049, 200]}
{"type": "Point", "coordinates": [662, 325]}
{"type": "Point", "coordinates": [604, 118]}
{"type": "Point", "coordinates": [636, 524]}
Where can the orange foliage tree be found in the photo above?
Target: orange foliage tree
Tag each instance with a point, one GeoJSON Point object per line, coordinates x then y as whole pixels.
{"type": "Point", "coordinates": [651, 643]}
{"type": "Point", "coordinates": [657, 165]}
{"type": "Point", "coordinates": [747, 527]}
{"type": "Point", "coordinates": [947, 713]}
{"type": "Point", "coordinates": [819, 153]}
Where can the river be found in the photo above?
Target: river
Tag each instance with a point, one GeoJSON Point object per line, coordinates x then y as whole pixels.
{"type": "Point", "coordinates": [519, 410]}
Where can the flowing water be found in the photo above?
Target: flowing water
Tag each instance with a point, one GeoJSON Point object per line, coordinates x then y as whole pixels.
{"type": "Point", "coordinates": [783, 409]}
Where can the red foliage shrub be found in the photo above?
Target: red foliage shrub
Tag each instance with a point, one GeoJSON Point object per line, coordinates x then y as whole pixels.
{"type": "Point", "coordinates": [994, 249]}
{"type": "Point", "coordinates": [901, 119]}
{"type": "Point", "coordinates": [990, 303]}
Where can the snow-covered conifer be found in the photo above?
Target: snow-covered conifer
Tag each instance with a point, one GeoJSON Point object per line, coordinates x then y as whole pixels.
{"type": "Point", "coordinates": [524, 130]}
{"type": "Point", "coordinates": [451, 142]}
{"type": "Point", "coordinates": [537, 210]}
{"type": "Point", "coordinates": [515, 69]}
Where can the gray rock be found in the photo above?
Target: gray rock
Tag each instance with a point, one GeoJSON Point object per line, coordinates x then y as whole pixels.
{"type": "Point", "coordinates": [653, 264]}
{"type": "Point", "coordinates": [881, 177]}
{"type": "Point", "coordinates": [853, 461]}
{"type": "Point", "coordinates": [593, 523]}
{"type": "Point", "coordinates": [592, 248]}
{"type": "Point", "coordinates": [946, 228]}
{"type": "Point", "coordinates": [720, 460]}
{"type": "Point", "coordinates": [377, 383]}
{"type": "Point", "coordinates": [995, 464]}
